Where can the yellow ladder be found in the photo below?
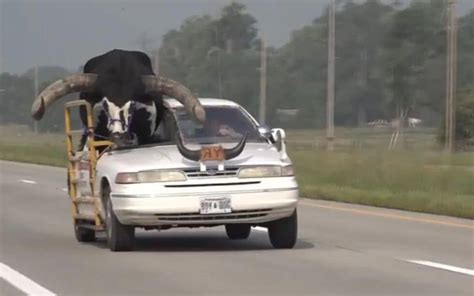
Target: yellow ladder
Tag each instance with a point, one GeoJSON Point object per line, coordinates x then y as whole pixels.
{"type": "Point", "coordinates": [94, 199]}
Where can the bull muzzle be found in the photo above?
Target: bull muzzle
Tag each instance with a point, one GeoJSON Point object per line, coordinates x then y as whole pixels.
{"type": "Point", "coordinates": [123, 140]}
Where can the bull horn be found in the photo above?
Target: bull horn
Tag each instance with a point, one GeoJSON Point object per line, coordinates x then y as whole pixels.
{"type": "Point", "coordinates": [178, 91]}
{"type": "Point", "coordinates": [60, 88]}
{"type": "Point", "coordinates": [235, 151]}
{"type": "Point", "coordinates": [187, 153]}
{"type": "Point", "coordinates": [196, 154]}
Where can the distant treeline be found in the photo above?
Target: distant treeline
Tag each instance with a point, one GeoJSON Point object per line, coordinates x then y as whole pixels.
{"type": "Point", "coordinates": [389, 60]}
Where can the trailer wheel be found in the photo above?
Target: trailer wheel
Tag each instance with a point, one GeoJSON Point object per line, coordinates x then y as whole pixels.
{"type": "Point", "coordinates": [82, 234]}
{"type": "Point", "coordinates": [119, 237]}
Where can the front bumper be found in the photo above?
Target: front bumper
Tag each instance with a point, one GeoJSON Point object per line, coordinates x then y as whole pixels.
{"type": "Point", "coordinates": [250, 206]}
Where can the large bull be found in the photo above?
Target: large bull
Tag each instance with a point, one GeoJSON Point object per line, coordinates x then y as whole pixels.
{"type": "Point", "coordinates": [123, 86]}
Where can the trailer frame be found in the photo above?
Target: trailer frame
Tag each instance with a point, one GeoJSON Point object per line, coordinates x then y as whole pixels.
{"type": "Point", "coordinates": [92, 222]}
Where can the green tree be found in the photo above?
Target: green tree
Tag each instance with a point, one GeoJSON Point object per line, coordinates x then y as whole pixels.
{"type": "Point", "coordinates": [215, 57]}
{"type": "Point", "coordinates": [361, 29]}
{"type": "Point", "coordinates": [235, 28]}
{"type": "Point", "coordinates": [297, 77]}
{"type": "Point", "coordinates": [16, 96]}
{"type": "Point", "coordinates": [465, 120]}
{"type": "Point", "coordinates": [299, 69]}
{"type": "Point", "coordinates": [466, 51]}
{"type": "Point", "coordinates": [415, 58]}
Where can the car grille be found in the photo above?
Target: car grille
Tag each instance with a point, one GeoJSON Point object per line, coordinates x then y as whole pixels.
{"type": "Point", "coordinates": [198, 217]}
{"type": "Point", "coordinates": [211, 172]}
{"type": "Point", "coordinates": [213, 184]}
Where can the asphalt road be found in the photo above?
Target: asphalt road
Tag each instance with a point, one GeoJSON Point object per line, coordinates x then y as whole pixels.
{"type": "Point", "coordinates": [342, 250]}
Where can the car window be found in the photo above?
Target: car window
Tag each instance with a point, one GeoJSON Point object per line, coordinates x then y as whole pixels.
{"type": "Point", "coordinates": [223, 124]}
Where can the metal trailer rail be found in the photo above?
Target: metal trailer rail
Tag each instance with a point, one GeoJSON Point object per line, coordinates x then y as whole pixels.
{"type": "Point", "coordinates": [82, 220]}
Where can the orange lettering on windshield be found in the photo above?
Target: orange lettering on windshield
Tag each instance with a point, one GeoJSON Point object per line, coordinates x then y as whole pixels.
{"type": "Point", "coordinates": [212, 153]}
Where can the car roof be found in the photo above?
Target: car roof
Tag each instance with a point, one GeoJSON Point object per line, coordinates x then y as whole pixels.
{"type": "Point", "coordinates": [173, 103]}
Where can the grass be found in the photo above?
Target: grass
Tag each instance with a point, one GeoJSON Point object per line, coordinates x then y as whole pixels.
{"type": "Point", "coordinates": [20, 144]}
{"type": "Point", "coordinates": [397, 180]}
{"type": "Point", "coordinates": [40, 154]}
{"type": "Point", "coordinates": [421, 179]}
{"type": "Point", "coordinates": [349, 139]}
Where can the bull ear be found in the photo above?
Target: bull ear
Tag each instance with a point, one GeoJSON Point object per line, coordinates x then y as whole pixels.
{"type": "Point", "coordinates": [132, 107]}
{"type": "Point", "coordinates": [105, 104]}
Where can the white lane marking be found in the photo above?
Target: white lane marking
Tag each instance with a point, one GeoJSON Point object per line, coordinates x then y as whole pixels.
{"type": "Point", "coordinates": [28, 181]}
{"type": "Point", "coordinates": [22, 283]}
{"type": "Point", "coordinates": [260, 228]}
{"type": "Point", "coordinates": [443, 266]}
{"type": "Point", "coordinates": [64, 189]}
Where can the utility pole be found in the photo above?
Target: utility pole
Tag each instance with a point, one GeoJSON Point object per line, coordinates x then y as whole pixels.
{"type": "Point", "coordinates": [35, 78]}
{"type": "Point", "coordinates": [33, 16]}
{"type": "Point", "coordinates": [263, 82]}
{"type": "Point", "coordinates": [331, 77]}
{"type": "Point", "coordinates": [156, 61]}
{"type": "Point", "coordinates": [451, 69]}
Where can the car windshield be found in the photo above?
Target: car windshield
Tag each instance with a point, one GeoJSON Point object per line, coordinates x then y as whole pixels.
{"type": "Point", "coordinates": [223, 124]}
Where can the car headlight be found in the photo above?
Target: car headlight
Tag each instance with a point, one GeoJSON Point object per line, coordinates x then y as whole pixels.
{"type": "Point", "coordinates": [287, 171]}
{"type": "Point", "coordinates": [126, 178]}
{"type": "Point", "coordinates": [150, 176]}
{"type": "Point", "coordinates": [266, 171]}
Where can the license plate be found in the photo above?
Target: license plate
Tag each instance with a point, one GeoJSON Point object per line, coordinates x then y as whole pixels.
{"type": "Point", "coordinates": [212, 153]}
{"type": "Point", "coordinates": [215, 205]}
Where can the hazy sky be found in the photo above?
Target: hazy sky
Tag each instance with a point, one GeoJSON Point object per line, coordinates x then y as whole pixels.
{"type": "Point", "coordinates": [68, 32]}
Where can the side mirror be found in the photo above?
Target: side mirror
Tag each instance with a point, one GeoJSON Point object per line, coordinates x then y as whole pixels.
{"type": "Point", "coordinates": [265, 131]}
{"type": "Point", "coordinates": [279, 136]}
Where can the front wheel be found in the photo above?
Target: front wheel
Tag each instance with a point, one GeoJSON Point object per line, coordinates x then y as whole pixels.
{"type": "Point", "coordinates": [119, 237]}
{"type": "Point", "coordinates": [237, 231]}
{"type": "Point", "coordinates": [283, 232]}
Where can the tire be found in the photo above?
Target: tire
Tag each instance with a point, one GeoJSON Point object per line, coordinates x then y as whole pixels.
{"type": "Point", "coordinates": [237, 231]}
{"type": "Point", "coordinates": [119, 237]}
{"type": "Point", "coordinates": [84, 235]}
{"type": "Point", "coordinates": [283, 232]}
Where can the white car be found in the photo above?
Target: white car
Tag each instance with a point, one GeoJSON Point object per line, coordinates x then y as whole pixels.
{"type": "Point", "coordinates": [228, 171]}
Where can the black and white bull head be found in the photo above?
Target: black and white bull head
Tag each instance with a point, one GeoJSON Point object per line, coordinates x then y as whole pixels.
{"type": "Point", "coordinates": [120, 112]}
{"type": "Point", "coordinates": [119, 120]}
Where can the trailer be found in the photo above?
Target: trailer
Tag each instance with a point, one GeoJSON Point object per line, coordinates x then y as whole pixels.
{"type": "Point", "coordinates": [81, 170]}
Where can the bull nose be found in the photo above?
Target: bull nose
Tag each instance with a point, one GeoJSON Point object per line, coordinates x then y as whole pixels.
{"type": "Point", "coordinates": [121, 139]}
{"type": "Point", "coordinates": [117, 136]}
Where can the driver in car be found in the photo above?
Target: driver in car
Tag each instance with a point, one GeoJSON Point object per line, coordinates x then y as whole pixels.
{"type": "Point", "coordinates": [213, 127]}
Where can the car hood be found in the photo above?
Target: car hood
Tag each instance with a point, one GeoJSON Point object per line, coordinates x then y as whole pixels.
{"type": "Point", "coordinates": [168, 157]}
